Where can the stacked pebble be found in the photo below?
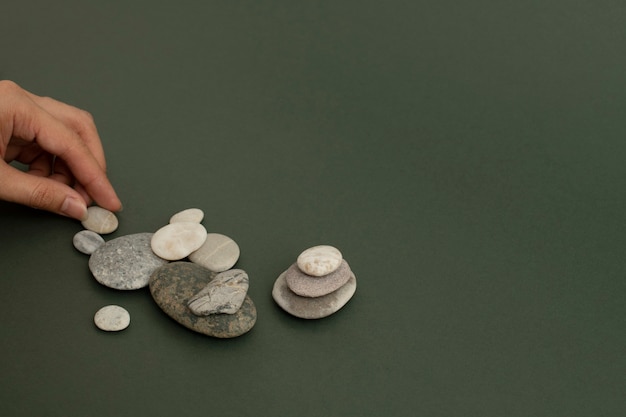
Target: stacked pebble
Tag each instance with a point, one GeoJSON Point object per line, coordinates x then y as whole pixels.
{"type": "Point", "coordinates": [203, 294]}
{"type": "Point", "coordinates": [317, 285]}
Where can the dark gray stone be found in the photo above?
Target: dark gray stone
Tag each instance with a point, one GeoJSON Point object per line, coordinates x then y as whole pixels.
{"type": "Point", "coordinates": [173, 285]}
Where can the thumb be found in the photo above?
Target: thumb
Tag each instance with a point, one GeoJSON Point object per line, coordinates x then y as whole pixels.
{"type": "Point", "coordinates": [40, 193]}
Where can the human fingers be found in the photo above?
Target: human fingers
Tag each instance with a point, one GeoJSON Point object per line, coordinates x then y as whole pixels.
{"type": "Point", "coordinates": [40, 193]}
{"type": "Point", "coordinates": [31, 122]}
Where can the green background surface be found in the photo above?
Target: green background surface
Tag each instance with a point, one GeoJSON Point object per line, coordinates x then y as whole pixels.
{"type": "Point", "coordinates": [467, 157]}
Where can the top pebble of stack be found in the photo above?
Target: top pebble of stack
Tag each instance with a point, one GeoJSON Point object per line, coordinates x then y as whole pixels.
{"type": "Point", "coordinates": [100, 220]}
{"type": "Point", "coordinates": [320, 260]}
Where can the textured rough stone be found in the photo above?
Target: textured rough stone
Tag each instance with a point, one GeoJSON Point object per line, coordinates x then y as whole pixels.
{"type": "Point", "coordinates": [100, 220]}
{"type": "Point", "coordinates": [193, 215]}
{"type": "Point", "coordinates": [173, 285]}
{"type": "Point", "coordinates": [312, 308]}
{"type": "Point", "coordinates": [308, 286]}
{"type": "Point", "coordinates": [125, 263]}
{"type": "Point", "coordinates": [224, 294]}
{"type": "Point", "coordinates": [176, 241]}
{"type": "Point", "coordinates": [112, 318]}
{"type": "Point", "coordinates": [319, 260]}
{"type": "Point", "coordinates": [87, 241]}
{"type": "Point", "coordinates": [218, 253]}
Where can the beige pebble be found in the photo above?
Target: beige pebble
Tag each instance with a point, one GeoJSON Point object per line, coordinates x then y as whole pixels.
{"type": "Point", "coordinates": [100, 220]}
{"type": "Point", "coordinates": [193, 215]}
{"type": "Point", "coordinates": [176, 241]}
{"type": "Point", "coordinates": [112, 318]}
{"type": "Point", "coordinates": [319, 260]}
{"type": "Point", "coordinates": [218, 253]}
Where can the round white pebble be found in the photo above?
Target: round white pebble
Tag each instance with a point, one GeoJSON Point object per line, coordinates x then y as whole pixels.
{"type": "Point", "coordinates": [112, 318]}
{"type": "Point", "coordinates": [176, 241]}
{"type": "Point", "coordinates": [193, 215]}
{"type": "Point", "coordinates": [319, 260]}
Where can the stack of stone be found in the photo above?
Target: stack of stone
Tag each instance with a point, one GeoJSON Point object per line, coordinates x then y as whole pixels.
{"type": "Point", "coordinates": [204, 294]}
{"type": "Point", "coordinates": [317, 285]}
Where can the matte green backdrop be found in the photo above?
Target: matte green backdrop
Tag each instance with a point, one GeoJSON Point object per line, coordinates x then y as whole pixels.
{"type": "Point", "coordinates": [467, 157]}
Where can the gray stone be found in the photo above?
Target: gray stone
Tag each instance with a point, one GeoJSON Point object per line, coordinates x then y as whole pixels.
{"type": "Point", "coordinates": [125, 263]}
{"type": "Point", "coordinates": [176, 241]}
{"type": "Point", "coordinates": [218, 253]}
{"type": "Point", "coordinates": [100, 220]}
{"type": "Point", "coordinates": [224, 294]}
{"type": "Point", "coordinates": [312, 308]}
{"type": "Point", "coordinates": [87, 241]}
{"type": "Point", "coordinates": [173, 285]}
{"type": "Point", "coordinates": [308, 286]}
{"type": "Point", "coordinates": [112, 318]}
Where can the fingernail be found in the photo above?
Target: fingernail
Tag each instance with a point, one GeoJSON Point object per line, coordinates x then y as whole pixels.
{"type": "Point", "coordinates": [72, 207]}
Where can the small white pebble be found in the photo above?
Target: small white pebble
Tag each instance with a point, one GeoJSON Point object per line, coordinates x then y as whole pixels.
{"type": "Point", "coordinates": [193, 215]}
{"type": "Point", "coordinates": [112, 318]}
{"type": "Point", "coordinates": [100, 220]}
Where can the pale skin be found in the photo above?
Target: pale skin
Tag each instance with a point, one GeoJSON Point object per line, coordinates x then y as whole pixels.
{"type": "Point", "coordinates": [60, 146]}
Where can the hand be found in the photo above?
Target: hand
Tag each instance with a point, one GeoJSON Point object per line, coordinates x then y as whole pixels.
{"type": "Point", "coordinates": [60, 145]}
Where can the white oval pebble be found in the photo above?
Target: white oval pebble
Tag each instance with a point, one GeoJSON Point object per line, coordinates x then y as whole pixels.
{"type": "Point", "coordinates": [112, 318]}
{"type": "Point", "coordinates": [100, 220]}
{"type": "Point", "coordinates": [193, 215]}
{"type": "Point", "coordinates": [218, 253]}
{"type": "Point", "coordinates": [175, 241]}
{"type": "Point", "coordinates": [319, 260]}
{"type": "Point", "coordinates": [87, 241]}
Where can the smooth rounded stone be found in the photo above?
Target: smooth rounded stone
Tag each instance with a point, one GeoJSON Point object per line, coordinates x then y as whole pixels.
{"type": "Point", "coordinates": [218, 253]}
{"type": "Point", "coordinates": [87, 241]}
{"type": "Point", "coordinates": [173, 285]}
{"type": "Point", "coordinates": [319, 260]}
{"type": "Point", "coordinates": [176, 241]}
{"type": "Point", "coordinates": [112, 318]}
{"type": "Point", "coordinates": [193, 215]}
{"type": "Point", "coordinates": [100, 220]}
{"type": "Point", "coordinates": [125, 263]}
{"type": "Point", "coordinates": [312, 308]}
{"type": "Point", "coordinates": [224, 294]}
{"type": "Point", "coordinates": [307, 286]}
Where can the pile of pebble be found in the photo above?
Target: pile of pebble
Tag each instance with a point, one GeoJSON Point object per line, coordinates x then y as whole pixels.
{"type": "Point", "coordinates": [317, 285]}
{"type": "Point", "coordinates": [187, 269]}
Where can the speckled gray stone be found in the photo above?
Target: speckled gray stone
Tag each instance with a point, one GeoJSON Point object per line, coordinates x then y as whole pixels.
{"type": "Point", "coordinates": [224, 294]}
{"type": "Point", "coordinates": [125, 263]}
{"type": "Point", "coordinates": [87, 241]}
{"type": "Point", "coordinates": [312, 308]}
{"type": "Point", "coordinates": [308, 286]}
{"type": "Point", "coordinates": [173, 285]}
{"type": "Point", "coordinates": [218, 253]}
{"type": "Point", "coordinates": [100, 220]}
{"type": "Point", "coordinates": [112, 318]}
